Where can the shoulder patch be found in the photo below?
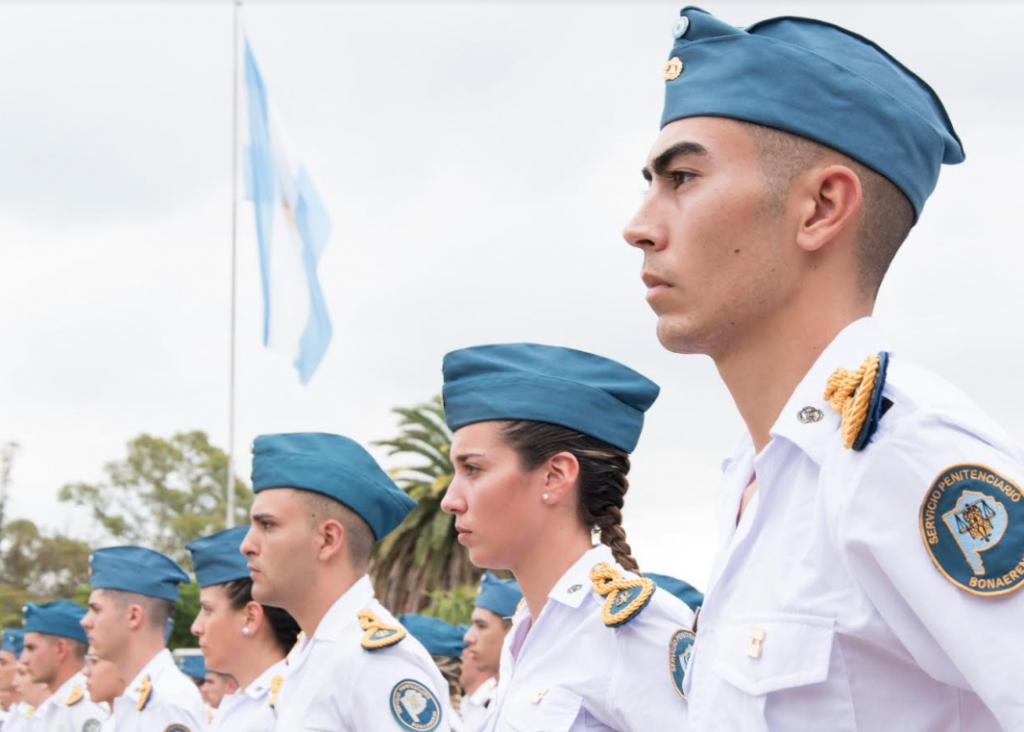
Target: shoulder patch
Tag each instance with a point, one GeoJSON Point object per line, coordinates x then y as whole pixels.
{"type": "Point", "coordinates": [679, 649]}
{"type": "Point", "coordinates": [75, 696]}
{"type": "Point", "coordinates": [414, 707]}
{"type": "Point", "coordinates": [625, 598]}
{"type": "Point", "coordinates": [93, 725]}
{"type": "Point", "coordinates": [857, 395]}
{"type": "Point", "coordinates": [972, 524]}
{"type": "Point", "coordinates": [145, 689]}
{"type": "Point", "coordinates": [177, 728]}
{"type": "Point", "coordinates": [378, 634]}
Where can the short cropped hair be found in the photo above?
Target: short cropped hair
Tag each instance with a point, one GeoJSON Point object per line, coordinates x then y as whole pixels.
{"type": "Point", "coordinates": [358, 536]}
{"type": "Point", "coordinates": [886, 216]}
{"type": "Point", "coordinates": [158, 610]}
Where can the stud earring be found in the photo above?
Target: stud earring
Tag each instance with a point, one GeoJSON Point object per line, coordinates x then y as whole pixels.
{"type": "Point", "coordinates": [246, 631]}
{"type": "Point", "coordinates": [545, 497]}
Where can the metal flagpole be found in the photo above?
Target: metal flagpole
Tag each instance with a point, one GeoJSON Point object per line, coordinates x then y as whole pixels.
{"type": "Point", "coordinates": [229, 482]}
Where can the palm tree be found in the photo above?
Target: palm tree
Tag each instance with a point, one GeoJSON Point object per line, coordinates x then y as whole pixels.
{"type": "Point", "coordinates": [422, 555]}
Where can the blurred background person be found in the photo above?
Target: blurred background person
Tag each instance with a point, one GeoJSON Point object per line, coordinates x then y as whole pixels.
{"type": "Point", "coordinates": [10, 649]}
{"type": "Point", "coordinates": [28, 695]}
{"type": "Point", "coordinates": [103, 679]}
{"type": "Point", "coordinates": [216, 686]}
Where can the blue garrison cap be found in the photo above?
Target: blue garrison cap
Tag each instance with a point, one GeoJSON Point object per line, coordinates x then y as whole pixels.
{"type": "Point", "coordinates": [334, 466]}
{"type": "Point", "coordinates": [500, 596]}
{"type": "Point", "coordinates": [816, 80]}
{"type": "Point", "coordinates": [683, 590]}
{"type": "Point", "coordinates": [60, 617]}
{"type": "Point", "coordinates": [12, 641]}
{"type": "Point", "coordinates": [217, 558]}
{"type": "Point", "coordinates": [440, 638]}
{"type": "Point", "coordinates": [586, 393]}
{"type": "Point", "coordinates": [193, 665]}
{"type": "Point", "coordinates": [136, 569]}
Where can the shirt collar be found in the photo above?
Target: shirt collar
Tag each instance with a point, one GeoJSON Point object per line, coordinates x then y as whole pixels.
{"type": "Point", "coordinates": [262, 686]}
{"type": "Point", "coordinates": [157, 663]}
{"type": "Point", "coordinates": [576, 583]}
{"type": "Point", "coordinates": [58, 697]}
{"type": "Point", "coordinates": [848, 349]}
{"type": "Point", "coordinates": [343, 611]}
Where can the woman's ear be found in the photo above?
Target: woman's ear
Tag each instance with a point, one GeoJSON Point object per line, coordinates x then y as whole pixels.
{"type": "Point", "coordinates": [253, 616]}
{"type": "Point", "coordinates": [561, 471]}
{"type": "Point", "coordinates": [830, 198]}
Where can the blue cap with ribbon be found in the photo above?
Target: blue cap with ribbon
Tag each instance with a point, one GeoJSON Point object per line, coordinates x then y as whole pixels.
{"type": "Point", "coordinates": [12, 641]}
{"type": "Point", "coordinates": [136, 569]}
{"type": "Point", "coordinates": [686, 592]}
{"type": "Point", "coordinates": [500, 596]}
{"type": "Point", "coordinates": [333, 466]}
{"type": "Point", "coordinates": [818, 81]}
{"type": "Point", "coordinates": [193, 665]}
{"type": "Point", "coordinates": [218, 559]}
{"type": "Point", "coordinates": [527, 381]}
{"type": "Point", "coordinates": [60, 617]}
{"type": "Point", "coordinates": [439, 637]}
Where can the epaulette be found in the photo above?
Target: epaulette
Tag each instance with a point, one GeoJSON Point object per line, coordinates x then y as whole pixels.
{"type": "Point", "coordinates": [857, 395]}
{"type": "Point", "coordinates": [145, 690]}
{"type": "Point", "coordinates": [378, 634]}
{"type": "Point", "coordinates": [75, 696]}
{"type": "Point", "coordinates": [625, 598]}
{"type": "Point", "coordinates": [275, 688]}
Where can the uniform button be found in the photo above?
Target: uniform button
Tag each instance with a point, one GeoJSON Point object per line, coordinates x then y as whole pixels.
{"type": "Point", "coordinates": [575, 588]}
{"type": "Point", "coordinates": [809, 415]}
{"type": "Point", "coordinates": [681, 26]}
{"type": "Point", "coordinates": [756, 643]}
{"type": "Point", "coordinates": [539, 696]}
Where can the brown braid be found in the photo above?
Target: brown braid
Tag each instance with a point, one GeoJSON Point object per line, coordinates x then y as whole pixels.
{"type": "Point", "coordinates": [602, 480]}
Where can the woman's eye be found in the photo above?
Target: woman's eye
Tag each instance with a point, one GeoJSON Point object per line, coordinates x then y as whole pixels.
{"type": "Point", "coordinates": [472, 469]}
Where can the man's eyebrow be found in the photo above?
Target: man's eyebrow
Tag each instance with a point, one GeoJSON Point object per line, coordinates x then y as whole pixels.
{"type": "Point", "coordinates": [262, 517]}
{"type": "Point", "coordinates": [661, 163]}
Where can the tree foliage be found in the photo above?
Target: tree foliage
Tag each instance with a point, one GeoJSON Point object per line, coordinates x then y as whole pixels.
{"type": "Point", "coordinates": [164, 494]}
{"type": "Point", "coordinates": [422, 555]}
{"type": "Point", "coordinates": [42, 563]}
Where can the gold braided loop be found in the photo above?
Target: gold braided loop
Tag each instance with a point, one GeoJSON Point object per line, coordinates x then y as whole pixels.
{"type": "Point", "coordinates": [608, 582]}
{"type": "Point", "coordinates": [849, 393]}
{"type": "Point", "coordinates": [372, 639]}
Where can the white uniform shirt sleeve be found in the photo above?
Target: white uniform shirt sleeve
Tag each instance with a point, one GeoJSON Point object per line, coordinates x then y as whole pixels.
{"type": "Point", "coordinates": [381, 673]}
{"type": "Point", "coordinates": [958, 638]}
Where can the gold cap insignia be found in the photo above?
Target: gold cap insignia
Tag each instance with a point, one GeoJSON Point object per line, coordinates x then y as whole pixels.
{"type": "Point", "coordinates": [673, 69]}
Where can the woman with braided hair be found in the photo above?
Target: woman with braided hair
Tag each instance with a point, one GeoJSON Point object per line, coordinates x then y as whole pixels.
{"type": "Point", "coordinates": [541, 445]}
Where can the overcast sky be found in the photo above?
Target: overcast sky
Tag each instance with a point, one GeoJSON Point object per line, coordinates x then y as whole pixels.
{"type": "Point", "coordinates": [479, 161]}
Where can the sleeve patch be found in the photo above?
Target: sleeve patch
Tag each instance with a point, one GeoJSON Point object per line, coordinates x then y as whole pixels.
{"type": "Point", "coordinates": [414, 707]}
{"type": "Point", "coordinates": [972, 524]}
{"type": "Point", "coordinates": [679, 650]}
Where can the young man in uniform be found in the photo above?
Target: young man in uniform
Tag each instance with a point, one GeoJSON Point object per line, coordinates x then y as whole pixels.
{"type": "Point", "coordinates": [134, 592]}
{"type": "Point", "coordinates": [496, 603]}
{"type": "Point", "coordinates": [10, 648]}
{"type": "Point", "coordinates": [54, 654]}
{"type": "Point", "coordinates": [321, 503]}
{"type": "Point", "coordinates": [872, 518]}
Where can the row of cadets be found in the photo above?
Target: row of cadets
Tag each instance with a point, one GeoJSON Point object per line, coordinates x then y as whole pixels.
{"type": "Point", "coordinates": [134, 593]}
{"type": "Point", "coordinates": [10, 648]}
{"type": "Point", "coordinates": [238, 636]}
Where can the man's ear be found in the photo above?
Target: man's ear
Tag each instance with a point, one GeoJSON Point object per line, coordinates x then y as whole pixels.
{"type": "Point", "coordinates": [136, 616]}
{"type": "Point", "coordinates": [829, 200]}
{"type": "Point", "coordinates": [331, 539]}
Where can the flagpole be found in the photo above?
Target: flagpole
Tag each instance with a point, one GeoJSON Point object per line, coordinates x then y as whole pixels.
{"type": "Point", "coordinates": [229, 520]}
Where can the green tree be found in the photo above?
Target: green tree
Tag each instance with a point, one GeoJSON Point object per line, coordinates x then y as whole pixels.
{"type": "Point", "coordinates": [423, 554]}
{"type": "Point", "coordinates": [454, 606]}
{"type": "Point", "coordinates": [164, 494]}
{"type": "Point", "coordinates": [42, 563]}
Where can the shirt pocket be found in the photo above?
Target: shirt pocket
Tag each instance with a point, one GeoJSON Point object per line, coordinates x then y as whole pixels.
{"type": "Point", "coordinates": [540, 710]}
{"type": "Point", "coordinates": [763, 654]}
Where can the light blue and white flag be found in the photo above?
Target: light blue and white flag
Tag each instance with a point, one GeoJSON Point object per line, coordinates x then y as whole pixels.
{"type": "Point", "coordinates": [292, 226]}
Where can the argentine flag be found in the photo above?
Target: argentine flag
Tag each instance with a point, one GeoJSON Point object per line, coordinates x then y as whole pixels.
{"type": "Point", "coordinates": [292, 227]}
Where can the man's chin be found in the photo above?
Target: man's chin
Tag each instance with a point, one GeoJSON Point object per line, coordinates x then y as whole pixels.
{"type": "Point", "coordinates": [677, 338]}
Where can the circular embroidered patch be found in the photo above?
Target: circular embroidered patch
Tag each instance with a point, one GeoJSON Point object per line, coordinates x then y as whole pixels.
{"type": "Point", "coordinates": [972, 523]}
{"type": "Point", "coordinates": [93, 725]}
{"type": "Point", "coordinates": [679, 650]}
{"type": "Point", "coordinates": [415, 707]}
{"type": "Point", "coordinates": [177, 728]}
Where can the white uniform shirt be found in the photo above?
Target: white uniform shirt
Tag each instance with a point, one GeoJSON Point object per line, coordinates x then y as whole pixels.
{"type": "Point", "coordinates": [19, 718]}
{"type": "Point", "coordinates": [568, 671]}
{"type": "Point", "coordinates": [174, 703]}
{"type": "Point", "coordinates": [335, 685]}
{"type": "Point", "coordinates": [69, 709]}
{"type": "Point", "coordinates": [474, 706]}
{"type": "Point", "coordinates": [249, 709]}
{"type": "Point", "coordinates": [825, 609]}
